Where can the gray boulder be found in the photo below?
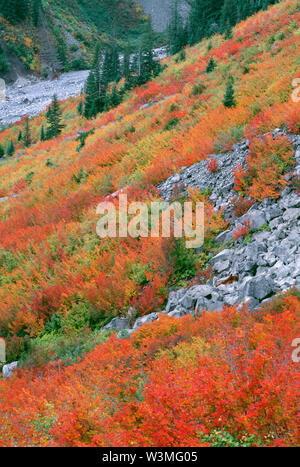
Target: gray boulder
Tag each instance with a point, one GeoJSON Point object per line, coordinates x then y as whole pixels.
{"type": "Point", "coordinates": [145, 319]}
{"type": "Point", "coordinates": [117, 324]}
{"type": "Point", "coordinates": [257, 218]}
{"type": "Point", "coordinates": [221, 266]}
{"type": "Point", "coordinates": [258, 287]}
{"type": "Point", "coordinates": [225, 255]}
{"type": "Point", "coordinates": [177, 313]}
{"type": "Point", "coordinates": [124, 333]}
{"type": "Point", "coordinates": [198, 291]}
{"type": "Point", "coordinates": [9, 369]}
{"type": "Point", "coordinates": [224, 237]}
{"type": "Point", "coordinates": [291, 214]}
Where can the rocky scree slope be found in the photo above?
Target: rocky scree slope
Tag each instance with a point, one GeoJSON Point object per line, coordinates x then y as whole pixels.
{"type": "Point", "coordinates": [245, 272]}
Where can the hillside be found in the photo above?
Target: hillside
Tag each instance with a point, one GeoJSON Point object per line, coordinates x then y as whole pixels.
{"type": "Point", "coordinates": [166, 346]}
{"type": "Point", "coordinates": [160, 12]}
{"type": "Point", "coordinates": [46, 37]}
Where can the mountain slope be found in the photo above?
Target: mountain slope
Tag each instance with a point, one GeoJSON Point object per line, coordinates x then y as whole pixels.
{"type": "Point", "coordinates": [52, 36]}
{"type": "Point", "coordinates": [61, 284]}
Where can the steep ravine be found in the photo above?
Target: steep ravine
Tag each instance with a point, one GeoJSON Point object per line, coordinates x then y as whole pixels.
{"type": "Point", "coordinates": [31, 96]}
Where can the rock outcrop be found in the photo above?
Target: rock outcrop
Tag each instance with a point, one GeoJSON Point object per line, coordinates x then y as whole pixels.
{"type": "Point", "coordinates": [9, 369]}
{"type": "Point", "coordinates": [248, 271]}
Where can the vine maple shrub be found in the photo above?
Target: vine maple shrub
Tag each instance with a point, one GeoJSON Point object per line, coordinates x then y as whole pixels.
{"type": "Point", "coordinates": [174, 383]}
{"type": "Point", "coordinates": [268, 162]}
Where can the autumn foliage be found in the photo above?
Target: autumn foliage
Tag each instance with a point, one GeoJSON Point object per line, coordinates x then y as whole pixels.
{"type": "Point", "coordinates": [268, 162]}
{"type": "Point", "coordinates": [175, 382]}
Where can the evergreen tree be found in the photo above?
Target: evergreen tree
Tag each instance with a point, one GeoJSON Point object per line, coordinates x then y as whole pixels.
{"type": "Point", "coordinates": [36, 5]}
{"type": "Point", "coordinates": [148, 66]}
{"type": "Point", "coordinates": [2, 152]}
{"type": "Point", "coordinates": [204, 15]}
{"type": "Point", "coordinates": [4, 66]}
{"type": "Point", "coordinates": [177, 33]}
{"type": "Point", "coordinates": [211, 65]}
{"type": "Point", "coordinates": [126, 63]}
{"type": "Point", "coordinates": [27, 134]}
{"type": "Point", "coordinates": [228, 16]}
{"type": "Point", "coordinates": [111, 66]}
{"type": "Point", "coordinates": [10, 150]}
{"type": "Point", "coordinates": [54, 119]}
{"type": "Point", "coordinates": [42, 135]}
{"type": "Point", "coordinates": [95, 89]}
{"type": "Point", "coordinates": [114, 98]}
{"type": "Point", "coordinates": [80, 107]}
{"type": "Point", "coordinates": [229, 98]}
{"type": "Point", "coordinates": [20, 136]}
{"type": "Point", "coordinates": [91, 96]}
{"type": "Point", "coordinates": [14, 10]}
{"type": "Point", "coordinates": [210, 16]}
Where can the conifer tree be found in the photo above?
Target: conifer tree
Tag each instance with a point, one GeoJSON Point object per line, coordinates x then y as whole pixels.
{"type": "Point", "coordinates": [126, 63]}
{"type": "Point", "coordinates": [177, 33]}
{"type": "Point", "coordinates": [2, 152]}
{"type": "Point", "coordinates": [20, 136]}
{"type": "Point", "coordinates": [10, 150]}
{"type": "Point", "coordinates": [54, 119]}
{"type": "Point", "coordinates": [4, 65]}
{"type": "Point", "coordinates": [228, 16]}
{"type": "Point", "coordinates": [36, 4]}
{"type": "Point", "coordinates": [95, 89]}
{"type": "Point", "coordinates": [42, 135]}
{"type": "Point", "coordinates": [111, 66]}
{"type": "Point", "coordinates": [148, 66]}
{"type": "Point", "coordinates": [27, 133]}
{"type": "Point", "coordinates": [91, 96]}
{"type": "Point", "coordinates": [14, 10]}
{"type": "Point", "coordinates": [229, 98]}
{"type": "Point", "coordinates": [211, 65]}
{"type": "Point", "coordinates": [203, 18]}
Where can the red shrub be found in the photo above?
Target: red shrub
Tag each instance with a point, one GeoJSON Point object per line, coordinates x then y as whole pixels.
{"type": "Point", "coordinates": [212, 165]}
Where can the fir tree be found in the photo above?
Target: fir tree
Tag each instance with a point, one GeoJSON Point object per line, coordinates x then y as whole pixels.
{"type": "Point", "coordinates": [4, 66]}
{"type": "Point", "coordinates": [80, 107]}
{"type": "Point", "coordinates": [148, 66]}
{"type": "Point", "coordinates": [42, 135]}
{"type": "Point", "coordinates": [111, 66]}
{"type": "Point", "coordinates": [14, 10]}
{"type": "Point", "coordinates": [229, 98]}
{"type": "Point", "coordinates": [10, 150]}
{"type": "Point", "coordinates": [36, 4]}
{"type": "Point", "coordinates": [27, 133]}
{"type": "Point", "coordinates": [177, 33]}
{"type": "Point", "coordinates": [2, 152]}
{"type": "Point", "coordinates": [126, 63]}
{"type": "Point", "coordinates": [95, 90]}
{"type": "Point", "coordinates": [91, 96]}
{"type": "Point", "coordinates": [204, 14]}
{"type": "Point", "coordinates": [20, 136]}
{"type": "Point", "coordinates": [211, 65]}
{"type": "Point", "coordinates": [228, 16]}
{"type": "Point", "coordinates": [54, 119]}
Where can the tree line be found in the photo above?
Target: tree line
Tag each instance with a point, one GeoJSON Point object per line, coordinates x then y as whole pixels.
{"type": "Point", "coordinates": [208, 17]}
{"type": "Point", "coordinates": [17, 11]}
{"type": "Point", "coordinates": [112, 64]}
